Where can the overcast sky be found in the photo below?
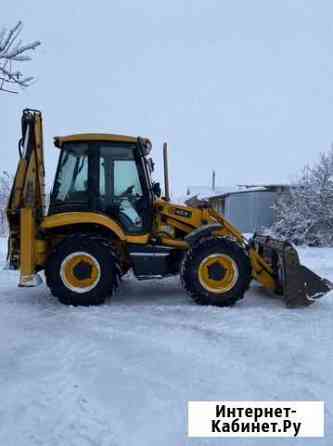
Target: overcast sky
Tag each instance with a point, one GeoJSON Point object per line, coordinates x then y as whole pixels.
{"type": "Point", "coordinates": [244, 87]}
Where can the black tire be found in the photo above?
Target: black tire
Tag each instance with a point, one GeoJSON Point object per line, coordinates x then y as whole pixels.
{"type": "Point", "coordinates": [96, 249]}
{"type": "Point", "coordinates": [198, 254]}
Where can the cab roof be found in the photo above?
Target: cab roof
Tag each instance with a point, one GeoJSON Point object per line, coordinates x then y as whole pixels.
{"type": "Point", "coordinates": [91, 137]}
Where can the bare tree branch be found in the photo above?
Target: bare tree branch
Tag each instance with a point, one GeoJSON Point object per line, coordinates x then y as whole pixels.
{"type": "Point", "coordinates": [12, 50]}
{"type": "Point", "coordinates": [5, 186]}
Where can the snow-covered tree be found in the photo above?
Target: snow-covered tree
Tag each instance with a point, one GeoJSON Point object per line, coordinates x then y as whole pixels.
{"type": "Point", "coordinates": [13, 51]}
{"type": "Point", "coordinates": [304, 213]}
{"type": "Point", "coordinates": [5, 184]}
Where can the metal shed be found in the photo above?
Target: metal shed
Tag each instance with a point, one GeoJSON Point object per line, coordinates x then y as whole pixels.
{"type": "Point", "coordinates": [248, 207]}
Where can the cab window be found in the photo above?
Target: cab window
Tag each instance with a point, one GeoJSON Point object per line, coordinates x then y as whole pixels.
{"type": "Point", "coordinates": [72, 178]}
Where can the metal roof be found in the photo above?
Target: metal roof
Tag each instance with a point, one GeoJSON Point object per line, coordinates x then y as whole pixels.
{"type": "Point", "coordinates": [205, 192]}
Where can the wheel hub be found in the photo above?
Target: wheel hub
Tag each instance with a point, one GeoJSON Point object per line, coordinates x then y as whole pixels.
{"type": "Point", "coordinates": [216, 271]}
{"type": "Point", "coordinates": [82, 270]}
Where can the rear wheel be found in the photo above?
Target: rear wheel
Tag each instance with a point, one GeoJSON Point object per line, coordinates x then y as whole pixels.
{"type": "Point", "coordinates": [216, 271]}
{"type": "Point", "coordinates": [83, 270]}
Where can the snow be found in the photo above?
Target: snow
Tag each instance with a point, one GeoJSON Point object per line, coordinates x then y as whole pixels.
{"type": "Point", "coordinates": [121, 374]}
{"type": "Point", "coordinates": [205, 192]}
{"type": "Point", "coordinates": [202, 192]}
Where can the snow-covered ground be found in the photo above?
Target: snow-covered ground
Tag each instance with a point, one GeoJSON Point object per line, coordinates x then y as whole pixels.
{"type": "Point", "coordinates": [121, 374]}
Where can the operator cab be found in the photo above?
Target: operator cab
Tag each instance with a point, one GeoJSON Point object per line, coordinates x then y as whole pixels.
{"type": "Point", "coordinates": [109, 174]}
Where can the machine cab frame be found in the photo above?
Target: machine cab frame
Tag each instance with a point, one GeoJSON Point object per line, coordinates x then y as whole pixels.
{"type": "Point", "coordinates": [111, 177]}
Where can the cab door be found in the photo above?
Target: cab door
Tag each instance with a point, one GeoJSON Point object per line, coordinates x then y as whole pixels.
{"type": "Point", "coordinates": [123, 189]}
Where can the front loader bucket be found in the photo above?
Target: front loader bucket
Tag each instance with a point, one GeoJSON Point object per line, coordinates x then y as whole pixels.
{"type": "Point", "coordinates": [299, 285]}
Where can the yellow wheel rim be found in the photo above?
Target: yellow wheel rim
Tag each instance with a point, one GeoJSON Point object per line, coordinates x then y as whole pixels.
{"type": "Point", "coordinates": [218, 273]}
{"type": "Point", "coordinates": [80, 272]}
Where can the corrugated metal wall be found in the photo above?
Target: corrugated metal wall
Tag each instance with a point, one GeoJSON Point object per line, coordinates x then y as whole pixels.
{"type": "Point", "coordinates": [250, 211]}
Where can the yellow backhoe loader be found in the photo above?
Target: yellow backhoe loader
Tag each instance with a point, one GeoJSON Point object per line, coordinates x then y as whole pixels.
{"type": "Point", "coordinates": [105, 216]}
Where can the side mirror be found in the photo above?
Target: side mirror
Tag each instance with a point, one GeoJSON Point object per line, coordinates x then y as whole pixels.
{"type": "Point", "coordinates": [151, 164]}
{"type": "Point", "coordinates": [157, 189]}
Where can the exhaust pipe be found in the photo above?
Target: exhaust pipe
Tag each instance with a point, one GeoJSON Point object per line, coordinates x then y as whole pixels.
{"type": "Point", "coordinates": [166, 172]}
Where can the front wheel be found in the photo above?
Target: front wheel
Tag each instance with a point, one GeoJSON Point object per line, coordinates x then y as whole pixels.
{"type": "Point", "coordinates": [216, 271]}
{"type": "Point", "coordinates": [83, 270]}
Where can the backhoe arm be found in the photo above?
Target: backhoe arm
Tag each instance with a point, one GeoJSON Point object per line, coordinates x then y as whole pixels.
{"type": "Point", "coordinates": [26, 203]}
